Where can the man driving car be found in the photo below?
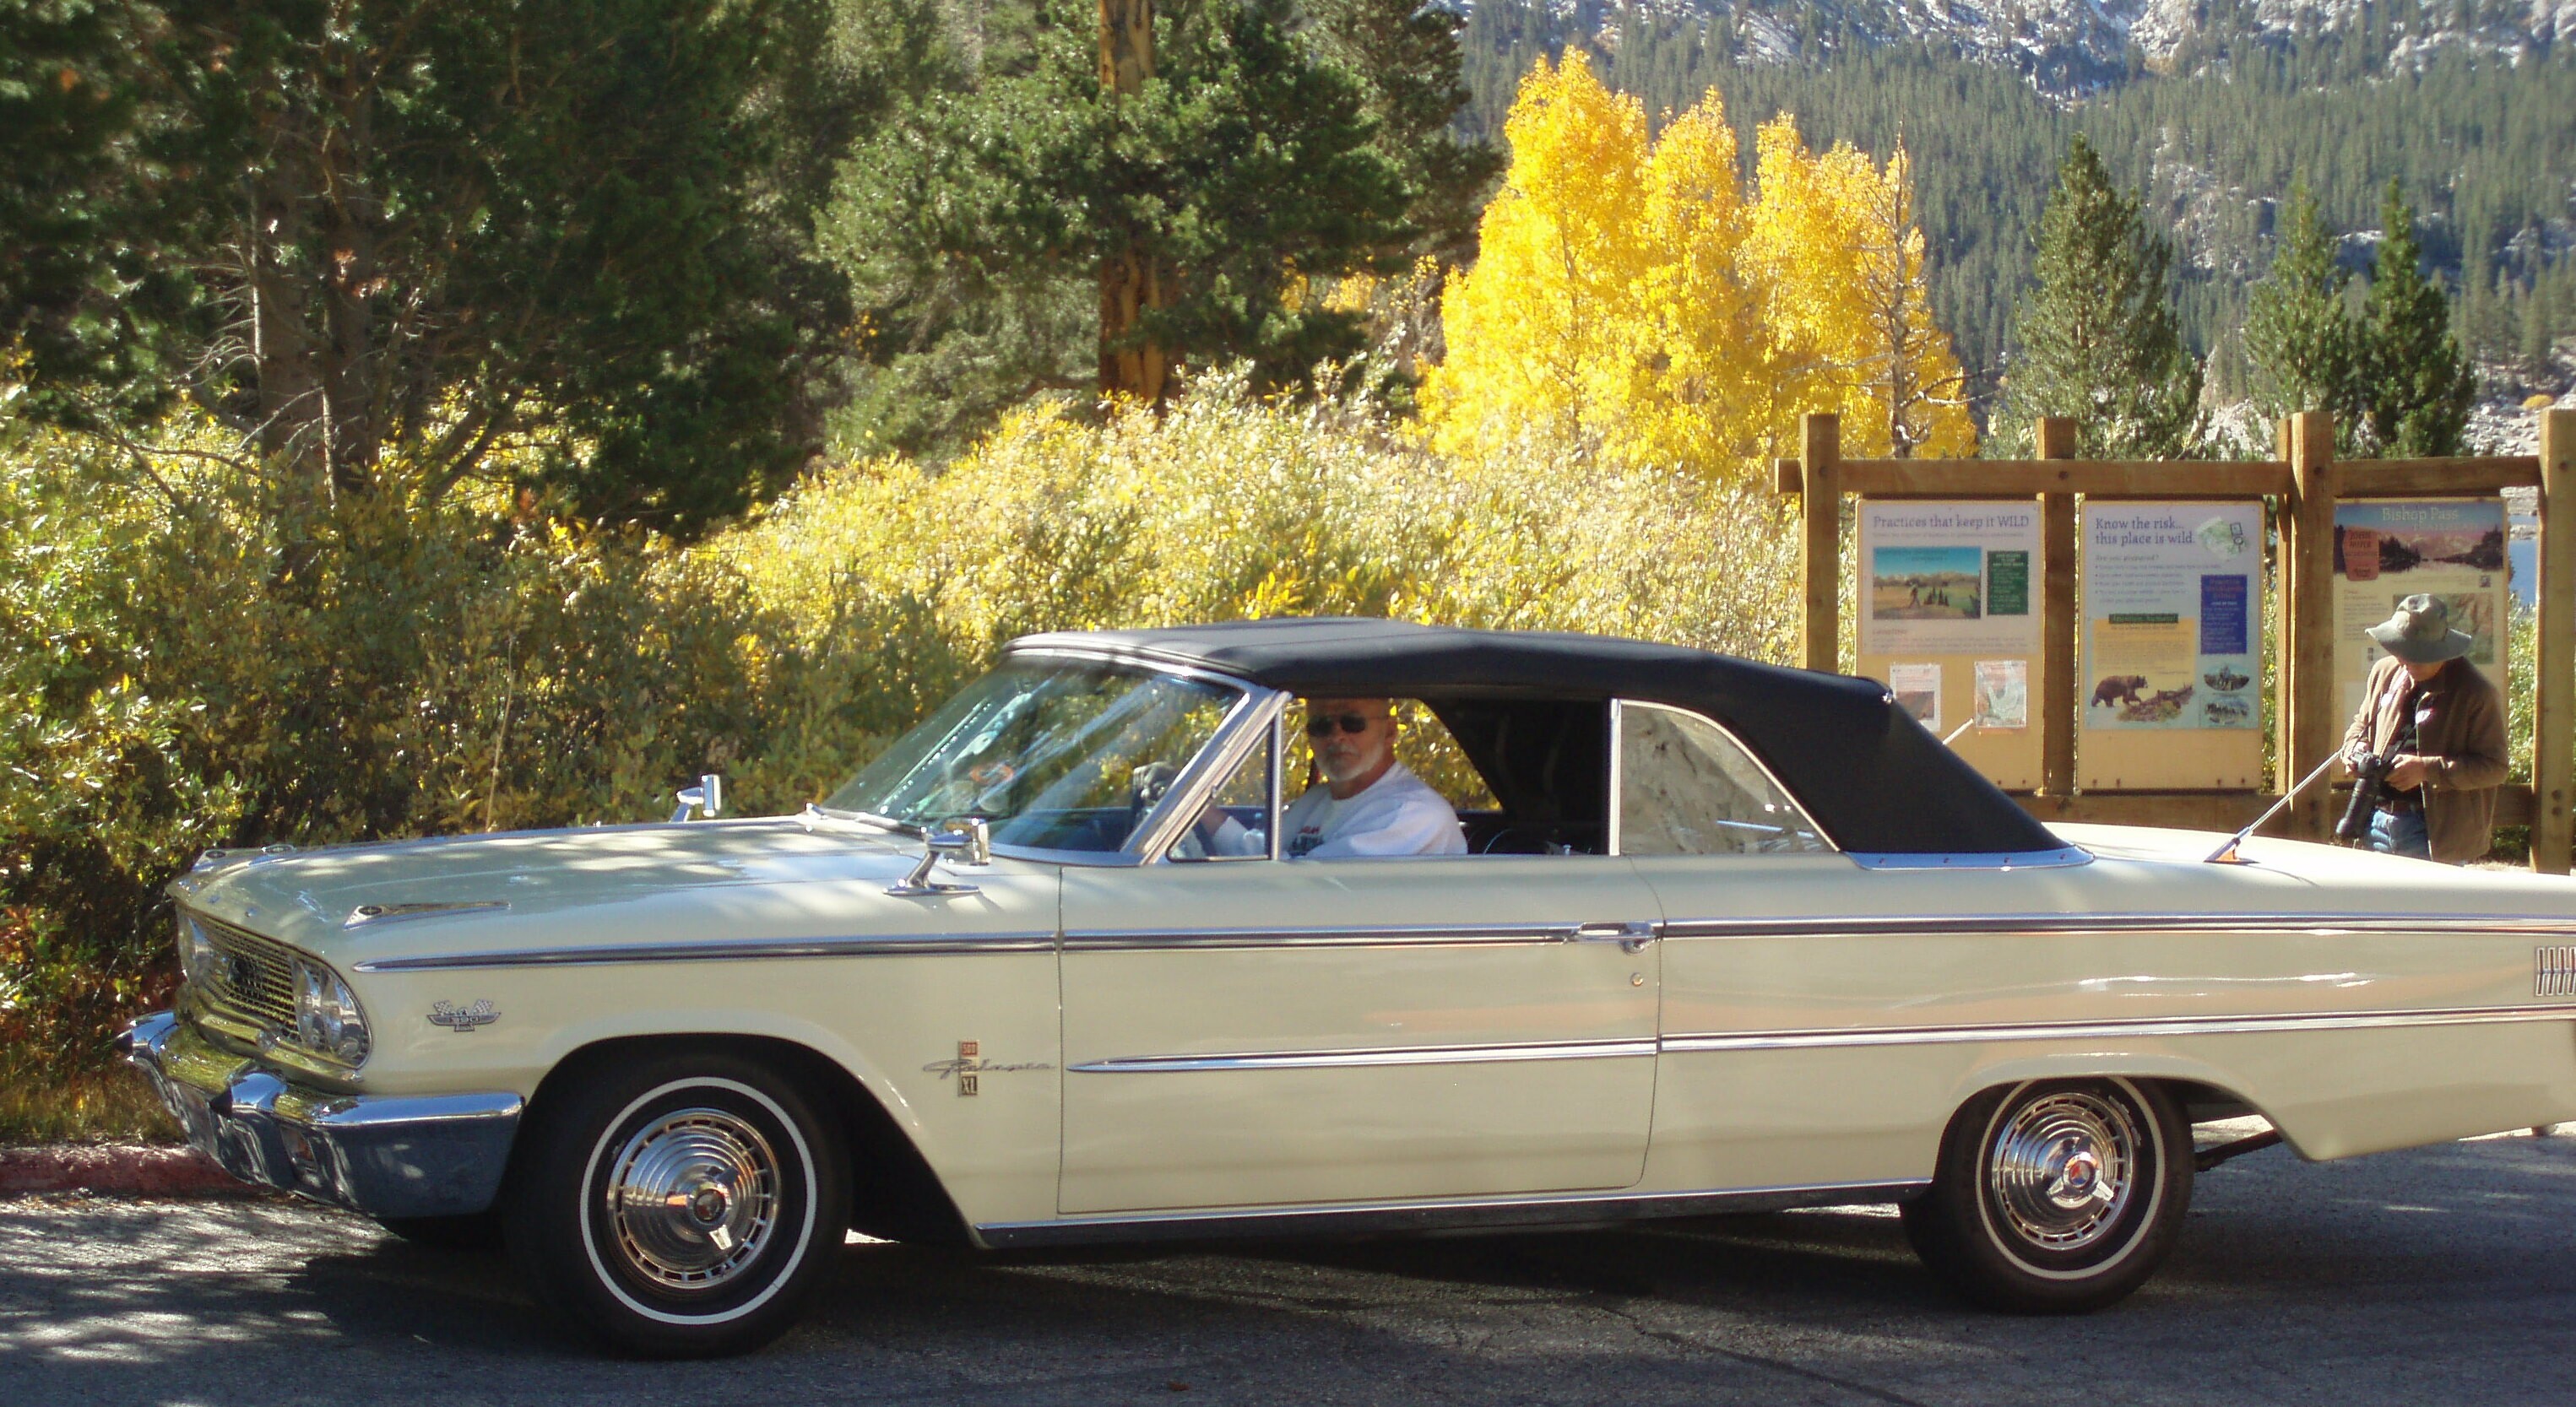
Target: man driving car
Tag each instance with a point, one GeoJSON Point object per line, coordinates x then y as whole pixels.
{"type": "Point", "coordinates": [1368, 803]}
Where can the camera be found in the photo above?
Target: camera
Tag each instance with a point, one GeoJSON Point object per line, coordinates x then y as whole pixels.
{"type": "Point", "coordinates": [2369, 784]}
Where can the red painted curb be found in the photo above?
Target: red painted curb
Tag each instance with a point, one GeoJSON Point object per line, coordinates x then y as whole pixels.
{"type": "Point", "coordinates": [115, 1170]}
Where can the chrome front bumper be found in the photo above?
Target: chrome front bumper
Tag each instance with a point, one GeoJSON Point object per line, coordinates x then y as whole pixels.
{"type": "Point", "coordinates": [384, 1155]}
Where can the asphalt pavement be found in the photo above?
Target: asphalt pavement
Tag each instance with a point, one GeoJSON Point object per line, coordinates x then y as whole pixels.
{"type": "Point", "coordinates": [2440, 1275]}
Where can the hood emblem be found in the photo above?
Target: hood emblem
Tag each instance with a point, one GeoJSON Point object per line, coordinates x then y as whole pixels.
{"type": "Point", "coordinates": [366, 914]}
{"type": "Point", "coordinates": [463, 1019]}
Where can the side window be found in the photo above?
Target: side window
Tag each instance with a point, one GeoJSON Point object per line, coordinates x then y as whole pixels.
{"type": "Point", "coordinates": [1422, 743]}
{"type": "Point", "coordinates": [1687, 787]}
{"type": "Point", "coordinates": [1235, 824]}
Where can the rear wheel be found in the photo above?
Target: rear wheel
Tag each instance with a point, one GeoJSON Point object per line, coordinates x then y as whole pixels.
{"type": "Point", "coordinates": [2055, 1196]}
{"type": "Point", "coordinates": [680, 1206]}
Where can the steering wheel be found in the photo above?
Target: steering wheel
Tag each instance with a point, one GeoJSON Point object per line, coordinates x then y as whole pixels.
{"type": "Point", "coordinates": [1145, 790]}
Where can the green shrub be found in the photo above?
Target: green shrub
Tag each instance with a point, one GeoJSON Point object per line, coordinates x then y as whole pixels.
{"type": "Point", "coordinates": [183, 667]}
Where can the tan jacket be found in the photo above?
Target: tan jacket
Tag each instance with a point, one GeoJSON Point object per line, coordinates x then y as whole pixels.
{"type": "Point", "coordinates": [2461, 733]}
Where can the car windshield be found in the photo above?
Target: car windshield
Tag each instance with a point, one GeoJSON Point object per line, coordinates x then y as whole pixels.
{"type": "Point", "coordinates": [1053, 754]}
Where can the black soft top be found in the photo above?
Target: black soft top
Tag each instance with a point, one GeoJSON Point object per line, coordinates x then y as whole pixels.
{"type": "Point", "coordinates": [1869, 774]}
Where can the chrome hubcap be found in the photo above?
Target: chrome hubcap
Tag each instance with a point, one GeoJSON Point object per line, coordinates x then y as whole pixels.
{"type": "Point", "coordinates": [693, 1198]}
{"type": "Point", "coordinates": [2062, 1169]}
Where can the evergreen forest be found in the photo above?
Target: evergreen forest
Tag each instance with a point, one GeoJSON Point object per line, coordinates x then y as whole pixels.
{"type": "Point", "coordinates": [2484, 150]}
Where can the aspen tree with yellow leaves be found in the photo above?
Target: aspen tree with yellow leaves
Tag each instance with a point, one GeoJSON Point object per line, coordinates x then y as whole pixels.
{"type": "Point", "coordinates": [1836, 255]}
{"type": "Point", "coordinates": [1631, 292]}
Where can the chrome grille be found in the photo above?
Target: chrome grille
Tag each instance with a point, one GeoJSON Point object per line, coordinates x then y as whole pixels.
{"type": "Point", "coordinates": [253, 978]}
{"type": "Point", "coordinates": [2553, 972]}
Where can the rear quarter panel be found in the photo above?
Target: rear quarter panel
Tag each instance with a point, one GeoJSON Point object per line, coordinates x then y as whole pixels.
{"type": "Point", "coordinates": [1822, 1022]}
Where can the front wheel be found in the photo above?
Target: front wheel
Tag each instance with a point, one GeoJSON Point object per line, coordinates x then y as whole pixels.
{"type": "Point", "coordinates": [2055, 1196]}
{"type": "Point", "coordinates": [680, 1206]}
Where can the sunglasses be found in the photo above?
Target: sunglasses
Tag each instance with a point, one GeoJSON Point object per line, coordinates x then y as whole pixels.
{"type": "Point", "coordinates": [1321, 725]}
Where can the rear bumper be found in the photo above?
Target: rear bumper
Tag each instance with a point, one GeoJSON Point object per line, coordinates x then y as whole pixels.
{"type": "Point", "coordinates": [384, 1155]}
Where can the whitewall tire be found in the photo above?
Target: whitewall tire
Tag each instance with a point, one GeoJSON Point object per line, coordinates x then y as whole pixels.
{"type": "Point", "coordinates": [2056, 1196]}
{"type": "Point", "coordinates": [679, 1206]}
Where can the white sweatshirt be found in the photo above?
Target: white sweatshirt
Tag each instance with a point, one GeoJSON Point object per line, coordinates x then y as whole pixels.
{"type": "Point", "coordinates": [1398, 814]}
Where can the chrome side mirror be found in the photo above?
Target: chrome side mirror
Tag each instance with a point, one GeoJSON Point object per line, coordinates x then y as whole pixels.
{"type": "Point", "coordinates": [706, 798]}
{"type": "Point", "coordinates": [970, 842]}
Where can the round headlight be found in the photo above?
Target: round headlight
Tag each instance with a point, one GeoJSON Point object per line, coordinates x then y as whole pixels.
{"type": "Point", "coordinates": [327, 1019]}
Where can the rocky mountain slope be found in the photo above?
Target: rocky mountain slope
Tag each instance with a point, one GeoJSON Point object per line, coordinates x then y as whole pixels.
{"type": "Point", "coordinates": [2071, 46]}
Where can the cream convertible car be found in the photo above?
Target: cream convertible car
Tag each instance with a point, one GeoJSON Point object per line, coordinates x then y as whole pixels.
{"type": "Point", "coordinates": [1727, 937]}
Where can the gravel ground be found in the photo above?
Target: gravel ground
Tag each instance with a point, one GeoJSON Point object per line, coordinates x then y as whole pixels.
{"type": "Point", "coordinates": [2441, 1275]}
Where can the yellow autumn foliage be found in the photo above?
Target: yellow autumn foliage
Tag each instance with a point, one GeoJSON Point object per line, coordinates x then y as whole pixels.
{"type": "Point", "coordinates": [1630, 292]}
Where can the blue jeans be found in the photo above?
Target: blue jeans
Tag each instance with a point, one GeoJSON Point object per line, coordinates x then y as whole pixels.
{"type": "Point", "coordinates": [2400, 833]}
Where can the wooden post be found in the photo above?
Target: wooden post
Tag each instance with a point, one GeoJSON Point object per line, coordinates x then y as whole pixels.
{"type": "Point", "coordinates": [1821, 549]}
{"type": "Point", "coordinates": [2057, 624]}
{"type": "Point", "coordinates": [2553, 721]}
{"type": "Point", "coordinates": [2315, 727]}
{"type": "Point", "coordinates": [2285, 618]}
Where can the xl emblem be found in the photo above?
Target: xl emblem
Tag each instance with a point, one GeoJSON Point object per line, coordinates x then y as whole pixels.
{"type": "Point", "coordinates": [463, 1019]}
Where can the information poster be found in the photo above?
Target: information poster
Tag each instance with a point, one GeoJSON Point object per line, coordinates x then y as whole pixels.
{"type": "Point", "coordinates": [2172, 620]}
{"type": "Point", "coordinates": [1918, 691]}
{"type": "Point", "coordinates": [1949, 618]}
{"type": "Point", "coordinates": [2388, 550]}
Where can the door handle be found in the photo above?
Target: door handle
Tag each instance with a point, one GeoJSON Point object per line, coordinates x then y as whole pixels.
{"type": "Point", "coordinates": [1631, 937]}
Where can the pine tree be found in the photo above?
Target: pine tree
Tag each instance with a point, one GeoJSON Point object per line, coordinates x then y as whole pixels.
{"type": "Point", "coordinates": [2099, 337]}
{"type": "Point", "coordinates": [378, 237]}
{"type": "Point", "coordinates": [1279, 146]}
{"type": "Point", "coordinates": [2298, 332]}
{"type": "Point", "coordinates": [2416, 385]}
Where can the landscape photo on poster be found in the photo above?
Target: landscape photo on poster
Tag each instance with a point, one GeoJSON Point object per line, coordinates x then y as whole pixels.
{"type": "Point", "coordinates": [1927, 583]}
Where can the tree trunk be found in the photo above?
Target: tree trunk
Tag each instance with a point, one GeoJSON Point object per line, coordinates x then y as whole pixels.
{"type": "Point", "coordinates": [1132, 282]}
{"type": "Point", "coordinates": [352, 420]}
{"type": "Point", "coordinates": [291, 435]}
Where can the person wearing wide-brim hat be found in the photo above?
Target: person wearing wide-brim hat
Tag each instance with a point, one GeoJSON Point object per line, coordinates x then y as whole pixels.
{"type": "Point", "coordinates": [2440, 724]}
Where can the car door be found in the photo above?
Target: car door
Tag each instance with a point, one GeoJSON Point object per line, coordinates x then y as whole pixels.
{"type": "Point", "coordinates": [1781, 970]}
{"type": "Point", "coordinates": [1750, 889]}
{"type": "Point", "coordinates": [1262, 1032]}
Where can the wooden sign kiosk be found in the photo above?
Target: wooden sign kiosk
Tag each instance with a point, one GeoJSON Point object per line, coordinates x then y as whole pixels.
{"type": "Point", "coordinates": [2302, 488]}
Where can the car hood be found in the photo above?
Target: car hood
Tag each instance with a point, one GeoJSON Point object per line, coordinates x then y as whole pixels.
{"type": "Point", "coordinates": [424, 891]}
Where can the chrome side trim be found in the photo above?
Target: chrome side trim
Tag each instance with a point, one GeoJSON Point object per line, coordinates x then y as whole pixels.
{"type": "Point", "coordinates": [2064, 857]}
{"type": "Point", "coordinates": [1339, 1059]}
{"type": "Point", "coordinates": [1554, 1209]}
{"type": "Point", "coordinates": [2111, 1030]}
{"type": "Point", "coordinates": [1872, 925]}
{"type": "Point", "coordinates": [1384, 935]}
{"type": "Point", "coordinates": [723, 950]}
